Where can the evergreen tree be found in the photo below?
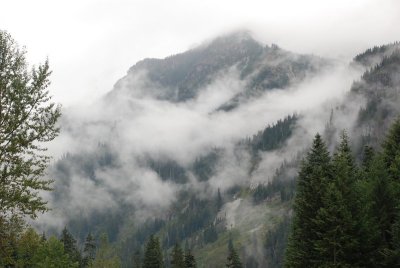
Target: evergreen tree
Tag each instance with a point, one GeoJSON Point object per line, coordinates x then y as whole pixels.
{"type": "Point", "coordinates": [177, 258]}
{"type": "Point", "coordinates": [233, 259]}
{"type": "Point", "coordinates": [343, 193]}
{"type": "Point", "coordinates": [391, 151]}
{"type": "Point", "coordinates": [89, 251]}
{"type": "Point", "coordinates": [335, 238]}
{"type": "Point", "coordinates": [190, 261]}
{"type": "Point", "coordinates": [315, 173]}
{"type": "Point", "coordinates": [153, 255]}
{"type": "Point", "coordinates": [368, 156]}
{"type": "Point", "coordinates": [70, 246]}
{"type": "Point", "coordinates": [382, 209]}
{"type": "Point", "coordinates": [391, 255]}
{"type": "Point", "coordinates": [385, 197]}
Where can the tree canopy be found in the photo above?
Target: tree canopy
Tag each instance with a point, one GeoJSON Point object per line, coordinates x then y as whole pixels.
{"type": "Point", "coordinates": [27, 121]}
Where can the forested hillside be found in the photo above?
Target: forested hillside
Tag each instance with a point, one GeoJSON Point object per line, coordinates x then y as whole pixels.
{"type": "Point", "coordinates": [207, 159]}
{"type": "Point", "coordinates": [253, 205]}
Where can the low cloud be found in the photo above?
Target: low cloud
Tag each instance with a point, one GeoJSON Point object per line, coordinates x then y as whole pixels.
{"type": "Point", "coordinates": [133, 124]}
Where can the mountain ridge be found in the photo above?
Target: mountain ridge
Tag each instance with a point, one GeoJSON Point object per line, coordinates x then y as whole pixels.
{"type": "Point", "coordinates": [182, 76]}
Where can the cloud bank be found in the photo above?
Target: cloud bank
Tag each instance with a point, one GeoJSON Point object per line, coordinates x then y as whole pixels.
{"type": "Point", "coordinates": [133, 126]}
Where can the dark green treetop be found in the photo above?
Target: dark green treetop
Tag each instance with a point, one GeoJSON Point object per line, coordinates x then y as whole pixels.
{"type": "Point", "coordinates": [190, 261]}
{"type": "Point", "coordinates": [177, 258]}
{"type": "Point", "coordinates": [314, 175]}
{"type": "Point", "coordinates": [153, 257]}
{"type": "Point", "coordinates": [233, 259]}
{"type": "Point", "coordinates": [70, 246]}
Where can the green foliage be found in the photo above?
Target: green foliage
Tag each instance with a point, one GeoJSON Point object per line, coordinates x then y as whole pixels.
{"type": "Point", "coordinates": [51, 254]}
{"type": "Point", "coordinates": [190, 261]}
{"type": "Point", "coordinates": [335, 240]}
{"type": "Point", "coordinates": [70, 246]}
{"type": "Point", "coordinates": [10, 229]}
{"type": "Point", "coordinates": [153, 257]}
{"type": "Point", "coordinates": [391, 254]}
{"type": "Point", "coordinates": [106, 256]}
{"type": "Point", "coordinates": [177, 258]}
{"type": "Point", "coordinates": [29, 249]}
{"type": "Point", "coordinates": [385, 204]}
{"type": "Point", "coordinates": [27, 120]}
{"type": "Point", "coordinates": [273, 136]}
{"type": "Point", "coordinates": [314, 175]}
{"type": "Point", "coordinates": [89, 251]}
{"type": "Point", "coordinates": [28, 244]}
{"type": "Point", "coordinates": [391, 151]}
{"type": "Point", "coordinates": [357, 222]}
{"type": "Point", "coordinates": [368, 157]}
{"type": "Point", "coordinates": [233, 259]}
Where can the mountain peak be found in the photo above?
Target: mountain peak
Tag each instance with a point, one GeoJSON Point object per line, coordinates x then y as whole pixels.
{"type": "Point", "coordinates": [234, 37]}
{"type": "Point", "coordinates": [242, 40]}
{"type": "Point", "coordinates": [180, 77]}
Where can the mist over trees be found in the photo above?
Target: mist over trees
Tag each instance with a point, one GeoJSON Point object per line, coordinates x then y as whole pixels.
{"type": "Point", "coordinates": [189, 162]}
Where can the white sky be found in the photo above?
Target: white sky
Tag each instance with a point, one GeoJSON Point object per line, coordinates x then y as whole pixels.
{"type": "Point", "coordinates": [92, 43]}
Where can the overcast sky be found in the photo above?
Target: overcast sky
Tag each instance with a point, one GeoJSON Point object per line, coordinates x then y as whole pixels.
{"type": "Point", "coordinates": [92, 43]}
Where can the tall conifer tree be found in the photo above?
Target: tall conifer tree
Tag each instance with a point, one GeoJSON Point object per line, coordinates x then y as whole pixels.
{"type": "Point", "coordinates": [70, 246]}
{"type": "Point", "coordinates": [315, 173]}
{"type": "Point", "coordinates": [233, 259]}
{"type": "Point", "coordinates": [153, 256]}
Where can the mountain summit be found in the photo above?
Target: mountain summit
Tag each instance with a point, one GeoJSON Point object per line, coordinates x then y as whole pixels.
{"type": "Point", "coordinates": [181, 77]}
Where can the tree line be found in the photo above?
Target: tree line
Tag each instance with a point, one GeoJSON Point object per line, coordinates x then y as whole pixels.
{"type": "Point", "coordinates": [153, 257]}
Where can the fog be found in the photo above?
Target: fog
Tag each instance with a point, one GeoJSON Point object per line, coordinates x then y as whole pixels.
{"type": "Point", "coordinates": [117, 123]}
{"type": "Point", "coordinates": [135, 125]}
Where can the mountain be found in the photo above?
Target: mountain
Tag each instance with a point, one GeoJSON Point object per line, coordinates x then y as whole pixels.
{"type": "Point", "coordinates": [203, 147]}
{"type": "Point", "coordinates": [182, 77]}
